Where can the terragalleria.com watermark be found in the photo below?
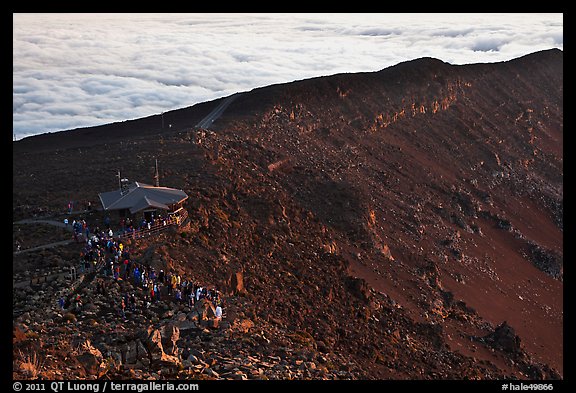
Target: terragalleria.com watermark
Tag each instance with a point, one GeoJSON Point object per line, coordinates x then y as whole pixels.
{"type": "Point", "coordinates": [97, 387]}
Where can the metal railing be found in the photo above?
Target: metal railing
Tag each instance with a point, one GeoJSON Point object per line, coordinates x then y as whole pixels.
{"type": "Point", "coordinates": [159, 226]}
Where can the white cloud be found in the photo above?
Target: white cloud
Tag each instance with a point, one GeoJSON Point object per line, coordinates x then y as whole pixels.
{"type": "Point", "coordinates": [77, 70]}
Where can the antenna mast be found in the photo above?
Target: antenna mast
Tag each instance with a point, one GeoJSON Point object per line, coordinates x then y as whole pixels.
{"type": "Point", "coordinates": [157, 176]}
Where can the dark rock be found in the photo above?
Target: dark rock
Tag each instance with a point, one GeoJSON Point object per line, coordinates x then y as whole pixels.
{"type": "Point", "coordinates": [548, 261]}
{"type": "Point", "coordinates": [185, 326]}
{"type": "Point", "coordinates": [504, 338]}
{"type": "Point", "coordinates": [205, 309]}
{"type": "Point", "coordinates": [90, 362]}
{"type": "Point", "coordinates": [358, 288]}
{"type": "Point", "coordinates": [321, 346]}
{"type": "Point", "coordinates": [504, 224]}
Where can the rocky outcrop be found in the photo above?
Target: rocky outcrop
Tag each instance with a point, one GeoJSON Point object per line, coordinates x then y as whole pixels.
{"type": "Point", "coordinates": [504, 338]}
{"type": "Point", "coordinates": [358, 288]}
{"type": "Point", "coordinates": [235, 283]}
{"type": "Point", "coordinates": [549, 261]}
{"type": "Point", "coordinates": [160, 345]}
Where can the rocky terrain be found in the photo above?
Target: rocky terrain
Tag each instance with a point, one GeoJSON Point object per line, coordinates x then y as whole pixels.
{"type": "Point", "coordinates": [401, 224]}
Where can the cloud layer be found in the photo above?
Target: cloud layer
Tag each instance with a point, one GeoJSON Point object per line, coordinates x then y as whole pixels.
{"type": "Point", "coordinates": [78, 70]}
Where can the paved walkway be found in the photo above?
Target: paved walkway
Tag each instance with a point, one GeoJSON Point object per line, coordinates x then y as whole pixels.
{"type": "Point", "coordinates": [49, 222]}
{"type": "Point", "coordinates": [216, 112]}
{"type": "Point", "coordinates": [43, 246]}
{"type": "Point", "coordinates": [44, 221]}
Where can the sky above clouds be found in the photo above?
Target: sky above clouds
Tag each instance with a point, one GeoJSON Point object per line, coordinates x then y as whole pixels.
{"type": "Point", "coordinates": [79, 70]}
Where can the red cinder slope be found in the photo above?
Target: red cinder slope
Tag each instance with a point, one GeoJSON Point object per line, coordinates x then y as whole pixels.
{"type": "Point", "coordinates": [455, 167]}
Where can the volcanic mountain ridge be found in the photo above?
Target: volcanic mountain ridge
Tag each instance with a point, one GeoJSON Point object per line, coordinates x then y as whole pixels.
{"type": "Point", "coordinates": [400, 224]}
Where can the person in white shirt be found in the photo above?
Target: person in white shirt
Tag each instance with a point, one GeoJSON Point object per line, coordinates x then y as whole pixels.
{"type": "Point", "coordinates": [218, 312]}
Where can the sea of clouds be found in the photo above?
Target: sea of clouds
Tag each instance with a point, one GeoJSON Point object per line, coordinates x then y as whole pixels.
{"type": "Point", "coordinates": [78, 70]}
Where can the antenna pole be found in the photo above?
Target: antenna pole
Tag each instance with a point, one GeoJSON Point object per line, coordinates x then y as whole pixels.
{"type": "Point", "coordinates": [119, 182]}
{"type": "Point", "coordinates": [157, 176]}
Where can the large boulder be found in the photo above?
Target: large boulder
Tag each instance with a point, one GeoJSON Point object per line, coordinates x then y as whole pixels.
{"type": "Point", "coordinates": [205, 309]}
{"type": "Point", "coordinates": [136, 352]}
{"type": "Point", "coordinates": [154, 345]}
{"type": "Point", "coordinates": [504, 338]}
{"type": "Point", "coordinates": [358, 288]}
{"type": "Point", "coordinates": [89, 362]}
{"type": "Point", "coordinates": [235, 284]}
{"type": "Point", "coordinates": [170, 335]}
{"type": "Point", "coordinates": [185, 326]}
{"type": "Point", "coordinates": [129, 352]}
{"type": "Point", "coordinates": [90, 358]}
{"type": "Point", "coordinates": [154, 342]}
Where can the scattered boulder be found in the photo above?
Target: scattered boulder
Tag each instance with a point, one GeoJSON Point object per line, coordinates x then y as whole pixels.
{"type": "Point", "coordinates": [504, 338]}
{"type": "Point", "coordinates": [152, 341]}
{"type": "Point", "coordinates": [243, 325]}
{"type": "Point", "coordinates": [170, 335]}
{"type": "Point", "coordinates": [154, 345]}
{"type": "Point", "coordinates": [184, 326]}
{"type": "Point", "coordinates": [548, 261]}
{"type": "Point", "coordinates": [208, 371]}
{"type": "Point", "coordinates": [385, 250]}
{"type": "Point", "coordinates": [136, 352]}
{"type": "Point", "coordinates": [235, 284]}
{"type": "Point", "coordinates": [505, 224]}
{"type": "Point", "coordinates": [358, 288]}
{"type": "Point", "coordinates": [90, 358]}
{"type": "Point", "coordinates": [205, 309]}
{"type": "Point", "coordinates": [18, 334]}
{"type": "Point", "coordinates": [69, 317]}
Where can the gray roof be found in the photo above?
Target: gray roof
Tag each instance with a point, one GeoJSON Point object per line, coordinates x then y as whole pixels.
{"type": "Point", "coordinates": [142, 196]}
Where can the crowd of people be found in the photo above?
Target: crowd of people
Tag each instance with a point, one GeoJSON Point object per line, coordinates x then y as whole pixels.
{"type": "Point", "coordinates": [105, 254]}
{"type": "Point", "coordinates": [81, 230]}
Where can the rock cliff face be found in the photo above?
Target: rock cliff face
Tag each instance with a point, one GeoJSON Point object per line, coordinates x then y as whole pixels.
{"type": "Point", "coordinates": [401, 224]}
